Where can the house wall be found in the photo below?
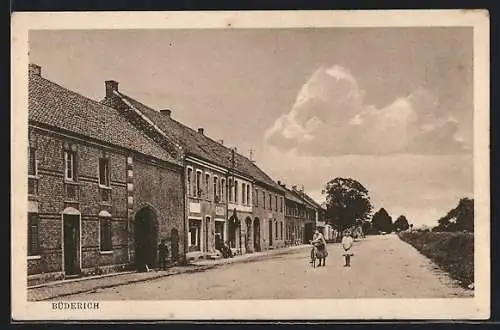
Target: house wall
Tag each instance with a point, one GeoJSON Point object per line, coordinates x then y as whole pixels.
{"type": "Point", "coordinates": [268, 213]}
{"type": "Point", "coordinates": [52, 199]}
{"type": "Point", "coordinates": [206, 208]}
{"type": "Point", "coordinates": [160, 187]}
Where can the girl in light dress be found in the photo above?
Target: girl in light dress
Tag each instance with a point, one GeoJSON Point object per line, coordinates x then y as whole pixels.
{"type": "Point", "coordinates": [347, 242]}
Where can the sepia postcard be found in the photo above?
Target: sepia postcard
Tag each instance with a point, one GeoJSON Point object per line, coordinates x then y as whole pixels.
{"type": "Point", "coordinates": [278, 165]}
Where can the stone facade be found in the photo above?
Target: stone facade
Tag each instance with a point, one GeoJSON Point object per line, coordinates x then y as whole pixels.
{"type": "Point", "coordinates": [99, 190]}
{"type": "Point", "coordinates": [55, 198]}
{"type": "Point", "coordinates": [269, 213]}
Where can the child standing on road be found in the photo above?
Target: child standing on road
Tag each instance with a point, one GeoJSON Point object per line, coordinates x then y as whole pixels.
{"type": "Point", "coordinates": [347, 242]}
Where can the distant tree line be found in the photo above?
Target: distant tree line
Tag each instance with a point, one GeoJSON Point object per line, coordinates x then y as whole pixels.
{"type": "Point", "coordinates": [348, 205]}
{"type": "Point", "coordinates": [461, 218]}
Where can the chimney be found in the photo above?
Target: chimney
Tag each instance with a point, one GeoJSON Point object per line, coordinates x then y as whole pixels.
{"type": "Point", "coordinates": [166, 112]}
{"type": "Point", "coordinates": [201, 131]}
{"type": "Point", "coordinates": [111, 86]}
{"type": "Point", "coordinates": [221, 141]}
{"type": "Point", "coordinates": [35, 70]}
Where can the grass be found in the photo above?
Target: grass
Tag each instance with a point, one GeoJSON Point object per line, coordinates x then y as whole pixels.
{"type": "Point", "coordinates": [451, 251]}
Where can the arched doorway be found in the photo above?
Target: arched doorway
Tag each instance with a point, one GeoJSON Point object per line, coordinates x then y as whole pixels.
{"type": "Point", "coordinates": [233, 226]}
{"type": "Point", "coordinates": [146, 239]}
{"type": "Point", "coordinates": [248, 235]}
{"type": "Point", "coordinates": [256, 235]}
{"type": "Point", "coordinates": [174, 244]}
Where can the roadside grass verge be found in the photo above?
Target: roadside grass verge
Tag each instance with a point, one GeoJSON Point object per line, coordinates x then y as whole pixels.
{"type": "Point", "coordinates": [451, 251]}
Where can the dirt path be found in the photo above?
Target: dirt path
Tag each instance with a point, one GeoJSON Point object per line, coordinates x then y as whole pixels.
{"type": "Point", "coordinates": [383, 267]}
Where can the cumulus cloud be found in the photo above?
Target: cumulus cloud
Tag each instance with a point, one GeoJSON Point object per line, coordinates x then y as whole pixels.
{"type": "Point", "coordinates": [330, 117]}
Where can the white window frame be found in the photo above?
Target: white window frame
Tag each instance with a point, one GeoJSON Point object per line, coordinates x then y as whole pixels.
{"type": "Point", "coordinates": [189, 180]}
{"type": "Point", "coordinates": [108, 174]}
{"type": "Point", "coordinates": [223, 188]}
{"type": "Point", "coordinates": [35, 175]}
{"type": "Point", "coordinates": [243, 193]}
{"type": "Point", "coordinates": [198, 190]}
{"type": "Point", "coordinates": [215, 186]}
{"type": "Point", "coordinates": [207, 186]}
{"type": "Point", "coordinates": [70, 153]}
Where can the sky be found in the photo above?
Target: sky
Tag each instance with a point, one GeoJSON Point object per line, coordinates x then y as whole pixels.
{"type": "Point", "coordinates": [389, 107]}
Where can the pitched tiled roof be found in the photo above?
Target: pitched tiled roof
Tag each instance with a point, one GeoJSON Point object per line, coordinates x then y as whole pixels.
{"type": "Point", "coordinates": [55, 106]}
{"type": "Point", "coordinates": [199, 145]}
{"type": "Point", "coordinates": [293, 196]}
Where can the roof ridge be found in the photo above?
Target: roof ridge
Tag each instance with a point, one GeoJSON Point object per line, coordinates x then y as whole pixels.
{"type": "Point", "coordinates": [73, 92]}
{"type": "Point", "coordinates": [81, 105]}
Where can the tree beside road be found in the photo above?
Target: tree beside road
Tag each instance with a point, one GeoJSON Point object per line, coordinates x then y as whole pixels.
{"type": "Point", "coordinates": [348, 203]}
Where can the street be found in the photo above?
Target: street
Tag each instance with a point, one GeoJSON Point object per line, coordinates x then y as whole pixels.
{"type": "Point", "coordinates": [382, 267]}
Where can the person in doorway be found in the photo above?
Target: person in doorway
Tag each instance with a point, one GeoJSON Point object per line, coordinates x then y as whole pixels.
{"type": "Point", "coordinates": [319, 248]}
{"type": "Point", "coordinates": [347, 242]}
{"type": "Point", "coordinates": [219, 246]}
{"type": "Point", "coordinates": [227, 250]}
{"type": "Point", "coordinates": [162, 254]}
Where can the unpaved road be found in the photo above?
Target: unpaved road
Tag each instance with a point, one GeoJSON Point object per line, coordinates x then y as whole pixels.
{"type": "Point", "coordinates": [383, 267]}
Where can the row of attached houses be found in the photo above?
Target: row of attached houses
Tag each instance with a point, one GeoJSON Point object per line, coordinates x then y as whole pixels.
{"type": "Point", "coordinates": [108, 180]}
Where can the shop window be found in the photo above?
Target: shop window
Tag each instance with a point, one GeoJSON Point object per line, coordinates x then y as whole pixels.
{"type": "Point", "coordinates": [194, 235]}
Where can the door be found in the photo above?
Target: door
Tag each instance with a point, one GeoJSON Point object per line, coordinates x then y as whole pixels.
{"type": "Point", "coordinates": [256, 235]}
{"type": "Point", "coordinates": [71, 244]}
{"type": "Point", "coordinates": [248, 235]}
{"type": "Point", "coordinates": [308, 233]}
{"type": "Point", "coordinates": [270, 232]}
{"type": "Point", "coordinates": [174, 245]}
{"type": "Point", "coordinates": [146, 239]}
{"type": "Point", "coordinates": [207, 234]}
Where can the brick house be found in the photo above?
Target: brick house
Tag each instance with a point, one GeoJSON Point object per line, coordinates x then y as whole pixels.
{"type": "Point", "coordinates": [219, 182]}
{"type": "Point", "coordinates": [300, 216]}
{"type": "Point", "coordinates": [101, 193]}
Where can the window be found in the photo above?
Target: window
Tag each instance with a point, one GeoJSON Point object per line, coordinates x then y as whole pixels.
{"type": "Point", "coordinates": [222, 188]}
{"type": "Point", "coordinates": [216, 191]}
{"type": "Point", "coordinates": [33, 234]}
{"type": "Point", "coordinates": [189, 181]}
{"type": "Point", "coordinates": [281, 204]}
{"type": "Point", "coordinates": [263, 199]}
{"type": "Point", "coordinates": [32, 165]}
{"type": "Point", "coordinates": [281, 230]}
{"type": "Point", "coordinates": [69, 166]}
{"type": "Point", "coordinates": [270, 201]}
{"type": "Point", "coordinates": [248, 194]}
{"type": "Point", "coordinates": [256, 197]}
{"type": "Point", "coordinates": [207, 185]}
{"type": "Point", "coordinates": [105, 235]}
{"type": "Point", "coordinates": [236, 191]}
{"type": "Point", "coordinates": [243, 193]}
{"type": "Point", "coordinates": [230, 189]}
{"type": "Point", "coordinates": [32, 172]}
{"type": "Point", "coordinates": [276, 229]}
{"type": "Point", "coordinates": [198, 184]}
{"type": "Point", "coordinates": [104, 177]}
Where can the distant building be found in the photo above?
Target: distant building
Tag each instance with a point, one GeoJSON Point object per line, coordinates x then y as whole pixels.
{"type": "Point", "coordinates": [101, 192]}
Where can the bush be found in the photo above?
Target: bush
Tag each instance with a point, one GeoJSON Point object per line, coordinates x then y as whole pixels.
{"type": "Point", "coordinates": [452, 251]}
